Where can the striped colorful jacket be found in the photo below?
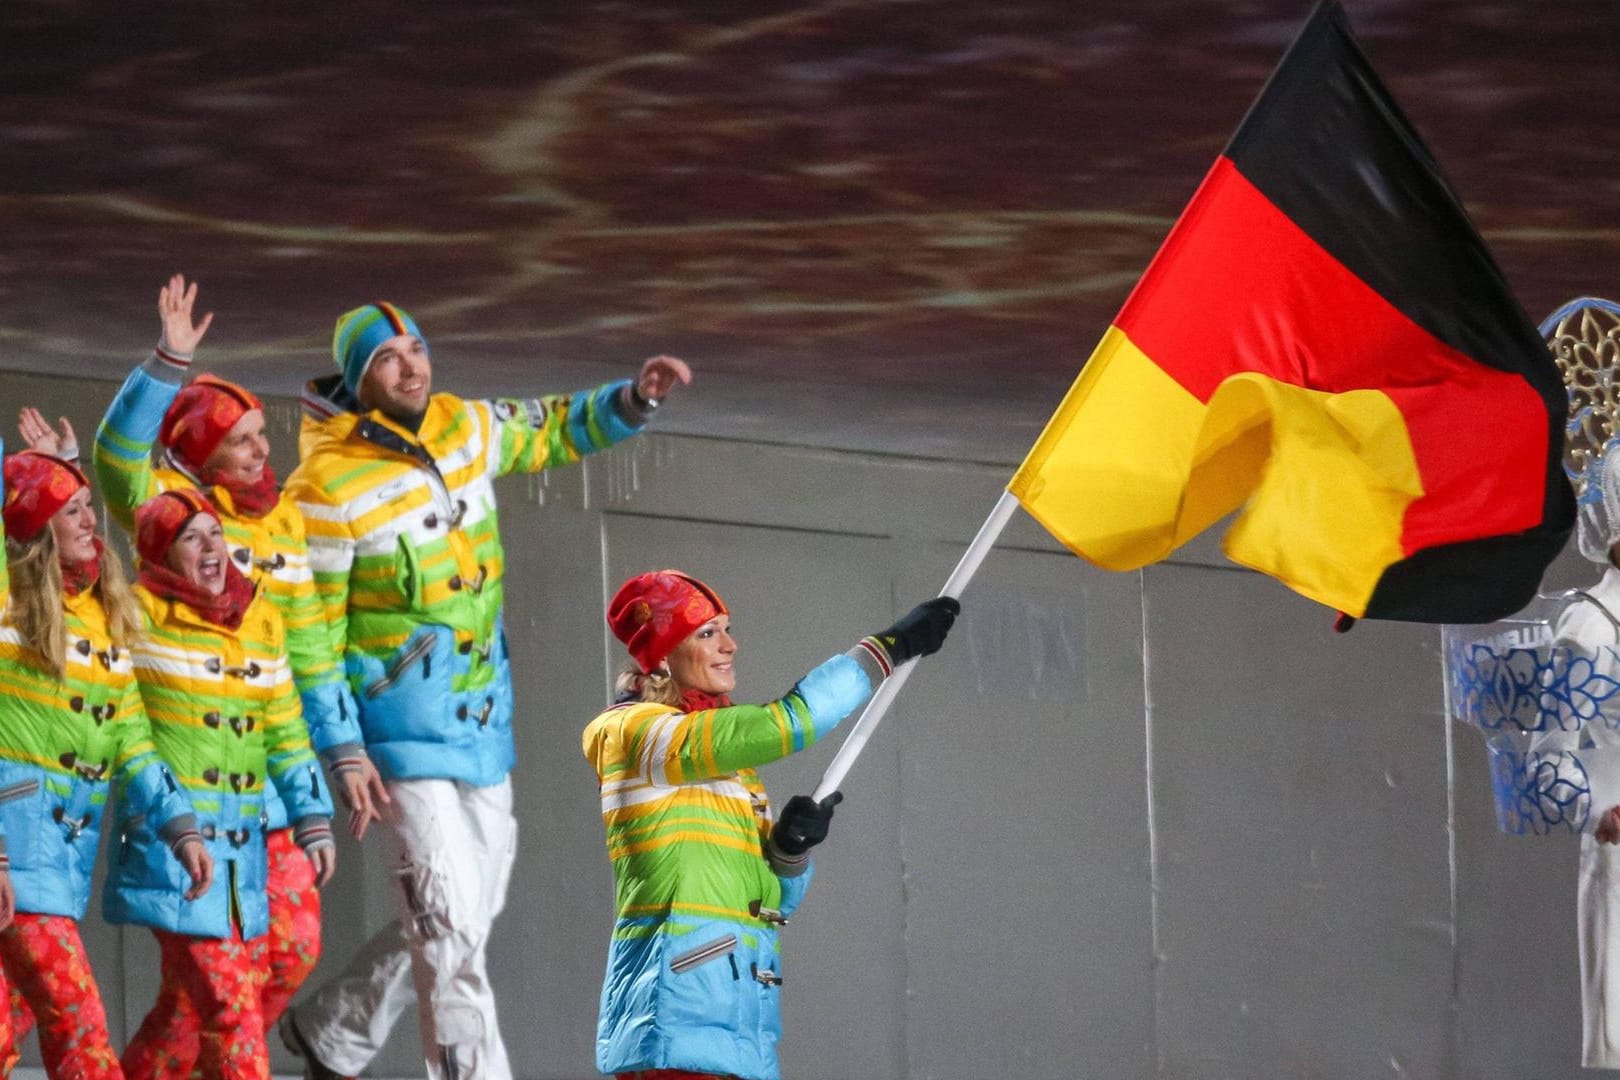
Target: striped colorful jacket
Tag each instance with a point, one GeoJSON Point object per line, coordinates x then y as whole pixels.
{"type": "Point", "coordinates": [406, 547]}
{"type": "Point", "coordinates": [695, 962]}
{"type": "Point", "coordinates": [63, 744]}
{"type": "Point", "coordinates": [225, 716]}
{"type": "Point", "coordinates": [271, 551]}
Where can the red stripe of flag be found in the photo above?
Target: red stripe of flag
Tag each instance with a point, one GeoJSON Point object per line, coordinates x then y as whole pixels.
{"type": "Point", "coordinates": [1248, 290]}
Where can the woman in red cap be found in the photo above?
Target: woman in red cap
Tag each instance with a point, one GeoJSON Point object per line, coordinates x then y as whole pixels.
{"type": "Point", "coordinates": [216, 683]}
{"type": "Point", "coordinates": [210, 436]}
{"type": "Point", "coordinates": [71, 726]}
{"type": "Point", "coordinates": [703, 875]}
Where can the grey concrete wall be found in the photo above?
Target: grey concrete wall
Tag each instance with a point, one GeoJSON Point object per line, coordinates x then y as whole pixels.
{"type": "Point", "coordinates": [1162, 824]}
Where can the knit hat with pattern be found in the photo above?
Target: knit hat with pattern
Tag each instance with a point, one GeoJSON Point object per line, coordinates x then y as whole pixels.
{"type": "Point", "coordinates": [654, 612]}
{"type": "Point", "coordinates": [37, 486]}
{"type": "Point", "coordinates": [200, 417]}
{"type": "Point", "coordinates": [361, 332]}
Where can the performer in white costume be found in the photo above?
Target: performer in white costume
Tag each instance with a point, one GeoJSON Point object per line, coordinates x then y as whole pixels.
{"type": "Point", "coordinates": [1588, 626]}
{"type": "Point", "coordinates": [1585, 335]}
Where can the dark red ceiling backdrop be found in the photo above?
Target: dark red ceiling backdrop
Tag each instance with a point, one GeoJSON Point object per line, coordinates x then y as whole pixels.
{"type": "Point", "coordinates": [894, 226]}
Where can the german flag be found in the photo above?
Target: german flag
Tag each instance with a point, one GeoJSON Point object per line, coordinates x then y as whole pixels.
{"type": "Point", "coordinates": [1324, 346]}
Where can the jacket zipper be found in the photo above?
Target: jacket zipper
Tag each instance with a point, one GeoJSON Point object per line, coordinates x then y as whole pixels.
{"type": "Point", "coordinates": [18, 790]}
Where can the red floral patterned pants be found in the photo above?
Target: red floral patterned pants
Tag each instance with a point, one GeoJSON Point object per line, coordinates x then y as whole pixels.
{"type": "Point", "coordinates": [291, 950]}
{"type": "Point", "coordinates": [50, 981]}
{"type": "Point", "coordinates": [221, 980]}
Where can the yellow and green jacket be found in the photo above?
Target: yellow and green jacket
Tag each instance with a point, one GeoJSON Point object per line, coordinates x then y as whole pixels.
{"type": "Point", "coordinates": [271, 551]}
{"type": "Point", "coordinates": [406, 548]}
{"type": "Point", "coordinates": [63, 745]}
{"type": "Point", "coordinates": [694, 963]}
{"type": "Point", "coordinates": [225, 716]}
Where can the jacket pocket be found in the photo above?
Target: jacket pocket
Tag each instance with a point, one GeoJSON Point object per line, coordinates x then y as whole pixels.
{"type": "Point", "coordinates": [407, 696]}
{"type": "Point", "coordinates": [408, 571]}
{"type": "Point", "coordinates": [418, 653]}
{"type": "Point", "coordinates": [22, 815]}
{"type": "Point", "coordinates": [702, 954]}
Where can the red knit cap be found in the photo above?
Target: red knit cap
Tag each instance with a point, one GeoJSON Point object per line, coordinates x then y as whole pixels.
{"type": "Point", "coordinates": [200, 416]}
{"type": "Point", "coordinates": [654, 612]}
{"type": "Point", "coordinates": [160, 519]}
{"type": "Point", "coordinates": [37, 486]}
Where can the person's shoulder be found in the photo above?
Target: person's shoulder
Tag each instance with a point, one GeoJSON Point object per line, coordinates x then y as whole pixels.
{"type": "Point", "coordinates": [447, 405]}
{"type": "Point", "coordinates": [327, 456]}
{"type": "Point", "coordinates": [629, 711]}
{"type": "Point", "coordinates": [605, 737]}
{"type": "Point", "coordinates": [628, 714]}
{"type": "Point", "coordinates": [1588, 621]}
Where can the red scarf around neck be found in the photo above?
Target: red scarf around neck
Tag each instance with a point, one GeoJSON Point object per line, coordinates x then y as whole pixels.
{"type": "Point", "coordinates": [254, 500]}
{"type": "Point", "coordinates": [696, 700]}
{"type": "Point", "coordinates": [79, 576]}
{"type": "Point", "coordinates": [225, 610]}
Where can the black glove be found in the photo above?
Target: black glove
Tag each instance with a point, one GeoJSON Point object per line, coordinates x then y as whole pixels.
{"type": "Point", "coordinates": [921, 631]}
{"type": "Point", "coordinates": [804, 823]}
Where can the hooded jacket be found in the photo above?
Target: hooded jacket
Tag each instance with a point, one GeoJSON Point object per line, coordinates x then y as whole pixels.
{"type": "Point", "coordinates": [406, 549]}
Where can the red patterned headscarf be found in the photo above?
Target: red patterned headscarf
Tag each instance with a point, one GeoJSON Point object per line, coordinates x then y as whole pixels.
{"type": "Point", "coordinates": [201, 415]}
{"type": "Point", "coordinates": [197, 421]}
{"type": "Point", "coordinates": [654, 612]}
{"type": "Point", "coordinates": [37, 486]}
{"type": "Point", "coordinates": [158, 521]}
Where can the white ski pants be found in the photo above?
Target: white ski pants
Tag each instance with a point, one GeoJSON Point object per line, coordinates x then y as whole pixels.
{"type": "Point", "coordinates": [453, 846]}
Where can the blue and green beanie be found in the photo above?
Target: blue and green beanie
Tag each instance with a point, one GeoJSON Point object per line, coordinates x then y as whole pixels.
{"type": "Point", "coordinates": [361, 332]}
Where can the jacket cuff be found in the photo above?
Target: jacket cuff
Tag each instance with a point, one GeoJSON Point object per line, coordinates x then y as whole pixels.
{"type": "Point", "coordinates": [167, 365]}
{"type": "Point", "coordinates": [314, 831]}
{"type": "Point", "coordinates": [632, 408]}
{"type": "Point", "coordinates": [5, 859]}
{"type": "Point", "coordinates": [344, 757]}
{"type": "Point", "coordinates": [784, 865]}
{"type": "Point", "coordinates": [178, 830]}
{"type": "Point", "coordinates": [873, 658]}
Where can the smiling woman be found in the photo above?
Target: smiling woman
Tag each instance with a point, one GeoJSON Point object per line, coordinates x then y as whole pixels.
{"type": "Point", "coordinates": [694, 965]}
{"type": "Point", "coordinates": [167, 430]}
{"type": "Point", "coordinates": [71, 725]}
{"type": "Point", "coordinates": [198, 554]}
{"type": "Point", "coordinates": [214, 674]}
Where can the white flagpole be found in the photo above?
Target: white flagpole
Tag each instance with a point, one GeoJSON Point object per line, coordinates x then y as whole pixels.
{"type": "Point", "coordinates": [873, 714]}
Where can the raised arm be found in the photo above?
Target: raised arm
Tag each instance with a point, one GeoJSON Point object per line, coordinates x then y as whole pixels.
{"type": "Point", "coordinates": [670, 748]}
{"type": "Point", "coordinates": [124, 441]}
{"type": "Point", "coordinates": [528, 435]}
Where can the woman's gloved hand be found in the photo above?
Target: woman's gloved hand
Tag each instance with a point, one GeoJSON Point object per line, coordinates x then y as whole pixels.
{"type": "Point", "coordinates": [804, 823]}
{"type": "Point", "coordinates": [921, 631]}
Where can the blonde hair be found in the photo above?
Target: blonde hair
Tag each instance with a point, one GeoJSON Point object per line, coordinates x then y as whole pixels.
{"type": "Point", "coordinates": [633, 684]}
{"type": "Point", "coordinates": [35, 606]}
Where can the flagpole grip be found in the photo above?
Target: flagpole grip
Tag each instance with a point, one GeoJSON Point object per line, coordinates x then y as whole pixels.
{"type": "Point", "coordinates": [872, 715]}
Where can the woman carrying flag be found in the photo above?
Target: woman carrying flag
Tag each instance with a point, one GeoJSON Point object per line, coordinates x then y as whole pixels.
{"type": "Point", "coordinates": [703, 876]}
